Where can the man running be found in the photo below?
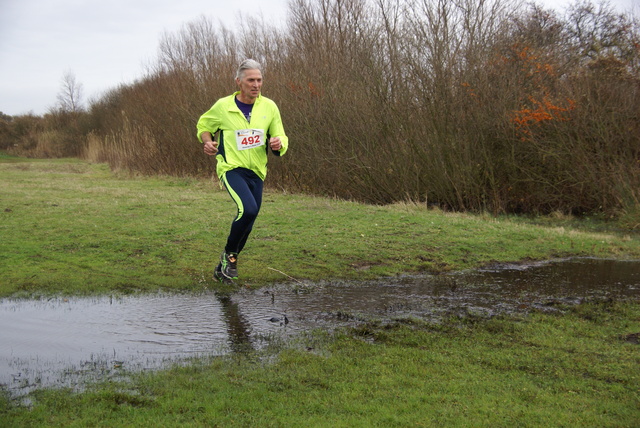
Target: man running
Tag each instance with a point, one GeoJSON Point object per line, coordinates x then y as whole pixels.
{"type": "Point", "coordinates": [248, 126]}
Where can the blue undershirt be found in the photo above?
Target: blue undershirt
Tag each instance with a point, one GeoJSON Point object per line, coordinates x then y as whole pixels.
{"type": "Point", "coordinates": [245, 109]}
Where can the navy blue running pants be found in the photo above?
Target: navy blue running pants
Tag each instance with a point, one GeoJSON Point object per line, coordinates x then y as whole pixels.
{"type": "Point", "coordinates": [245, 188]}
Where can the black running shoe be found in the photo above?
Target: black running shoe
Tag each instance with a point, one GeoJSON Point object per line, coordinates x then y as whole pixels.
{"type": "Point", "coordinates": [217, 273]}
{"type": "Point", "coordinates": [229, 265]}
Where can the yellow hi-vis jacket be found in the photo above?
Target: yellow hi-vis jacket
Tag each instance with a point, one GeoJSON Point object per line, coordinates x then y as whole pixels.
{"type": "Point", "coordinates": [243, 144]}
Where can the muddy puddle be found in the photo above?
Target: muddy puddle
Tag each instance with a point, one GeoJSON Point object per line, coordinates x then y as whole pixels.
{"type": "Point", "coordinates": [66, 341]}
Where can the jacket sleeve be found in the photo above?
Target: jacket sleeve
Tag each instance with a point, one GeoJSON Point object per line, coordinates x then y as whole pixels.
{"type": "Point", "coordinates": [277, 130]}
{"type": "Point", "coordinates": [209, 121]}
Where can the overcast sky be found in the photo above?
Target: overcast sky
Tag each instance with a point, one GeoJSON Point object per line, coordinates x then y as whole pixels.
{"type": "Point", "coordinates": [108, 42]}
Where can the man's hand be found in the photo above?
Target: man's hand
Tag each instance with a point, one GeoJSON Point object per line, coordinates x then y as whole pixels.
{"type": "Point", "coordinates": [275, 143]}
{"type": "Point", "coordinates": [211, 148]}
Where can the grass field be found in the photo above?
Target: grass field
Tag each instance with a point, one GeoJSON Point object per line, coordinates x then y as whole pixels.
{"type": "Point", "coordinates": [69, 227]}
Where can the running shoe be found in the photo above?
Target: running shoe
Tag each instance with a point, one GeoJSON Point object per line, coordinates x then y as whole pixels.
{"type": "Point", "coordinates": [229, 265]}
{"type": "Point", "coordinates": [217, 273]}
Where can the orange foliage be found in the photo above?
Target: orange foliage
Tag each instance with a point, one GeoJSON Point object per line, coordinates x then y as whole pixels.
{"type": "Point", "coordinates": [540, 108]}
{"type": "Point", "coordinates": [470, 90]}
{"type": "Point", "coordinates": [543, 111]}
{"type": "Point", "coordinates": [313, 91]}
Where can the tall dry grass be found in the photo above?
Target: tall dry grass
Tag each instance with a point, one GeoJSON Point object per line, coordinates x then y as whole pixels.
{"type": "Point", "coordinates": [55, 135]}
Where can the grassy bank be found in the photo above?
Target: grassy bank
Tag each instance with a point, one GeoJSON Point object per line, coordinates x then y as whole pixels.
{"type": "Point", "coordinates": [72, 227]}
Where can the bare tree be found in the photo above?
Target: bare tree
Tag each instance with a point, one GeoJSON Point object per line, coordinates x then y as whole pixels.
{"type": "Point", "coordinates": [70, 95]}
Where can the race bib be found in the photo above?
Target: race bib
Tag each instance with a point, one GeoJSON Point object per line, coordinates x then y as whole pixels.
{"type": "Point", "coordinates": [250, 138]}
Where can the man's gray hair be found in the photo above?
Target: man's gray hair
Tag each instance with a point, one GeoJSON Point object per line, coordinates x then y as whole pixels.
{"type": "Point", "coordinates": [248, 64]}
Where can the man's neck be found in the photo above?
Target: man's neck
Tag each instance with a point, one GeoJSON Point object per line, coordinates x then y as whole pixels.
{"type": "Point", "coordinates": [242, 99]}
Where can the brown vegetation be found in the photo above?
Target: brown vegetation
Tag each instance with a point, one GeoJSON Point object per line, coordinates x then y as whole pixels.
{"type": "Point", "coordinates": [470, 105]}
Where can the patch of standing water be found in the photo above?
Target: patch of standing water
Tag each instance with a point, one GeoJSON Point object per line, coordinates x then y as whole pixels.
{"type": "Point", "coordinates": [65, 341]}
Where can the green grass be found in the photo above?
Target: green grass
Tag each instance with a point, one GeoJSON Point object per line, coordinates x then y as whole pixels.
{"type": "Point", "coordinates": [72, 227]}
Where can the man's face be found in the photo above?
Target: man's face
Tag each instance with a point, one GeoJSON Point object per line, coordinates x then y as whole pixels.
{"type": "Point", "coordinates": [250, 84]}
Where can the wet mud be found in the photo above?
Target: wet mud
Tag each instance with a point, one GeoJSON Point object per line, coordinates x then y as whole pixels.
{"type": "Point", "coordinates": [66, 341]}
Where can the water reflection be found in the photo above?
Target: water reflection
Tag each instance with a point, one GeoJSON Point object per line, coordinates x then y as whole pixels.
{"type": "Point", "coordinates": [64, 341]}
{"type": "Point", "coordinates": [238, 327]}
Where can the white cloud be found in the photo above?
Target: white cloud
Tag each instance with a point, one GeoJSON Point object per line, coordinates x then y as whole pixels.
{"type": "Point", "coordinates": [104, 43]}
